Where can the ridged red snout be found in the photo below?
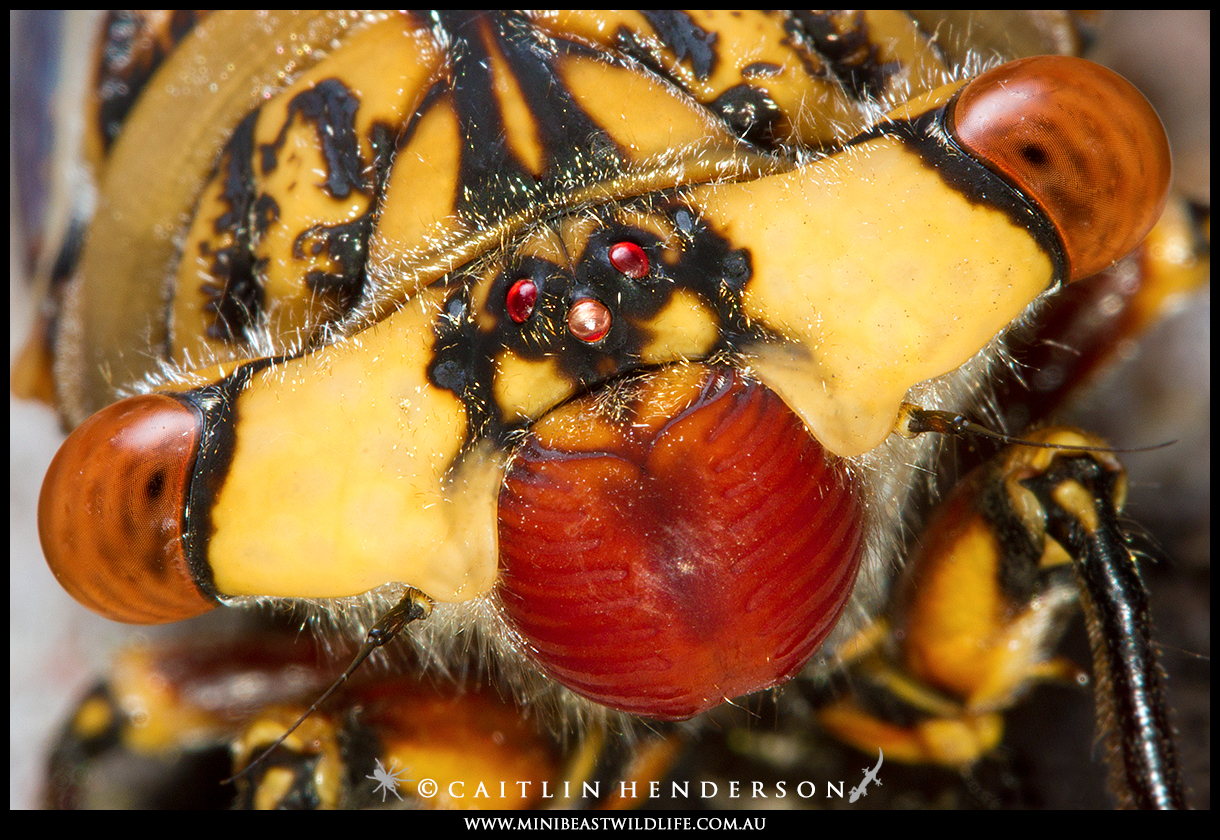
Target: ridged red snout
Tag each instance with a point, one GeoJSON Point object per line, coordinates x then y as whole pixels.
{"type": "Point", "coordinates": [671, 550]}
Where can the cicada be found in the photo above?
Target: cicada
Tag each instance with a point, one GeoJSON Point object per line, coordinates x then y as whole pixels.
{"type": "Point", "coordinates": [591, 340]}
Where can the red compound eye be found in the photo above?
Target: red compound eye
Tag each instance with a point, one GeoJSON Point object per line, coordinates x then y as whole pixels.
{"type": "Point", "coordinates": [521, 299]}
{"type": "Point", "coordinates": [687, 547]}
{"type": "Point", "coordinates": [630, 259]}
{"type": "Point", "coordinates": [1081, 141]}
{"type": "Point", "coordinates": [111, 511]}
{"type": "Point", "coordinates": [589, 320]}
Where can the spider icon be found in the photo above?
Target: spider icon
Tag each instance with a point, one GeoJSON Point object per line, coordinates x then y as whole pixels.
{"type": "Point", "coordinates": [387, 780]}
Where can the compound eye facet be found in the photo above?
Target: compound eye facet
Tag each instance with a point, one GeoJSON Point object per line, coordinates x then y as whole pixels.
{"type": "Point", "coordinates": [1081, 141]}
{"type": "Point", "coordinates": [111, 511]}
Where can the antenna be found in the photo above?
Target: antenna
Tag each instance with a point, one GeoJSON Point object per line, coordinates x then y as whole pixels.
{"type": "Point", "coordinates": [413, 606]}
{"type": "Point", "coordinates": [914, 421]}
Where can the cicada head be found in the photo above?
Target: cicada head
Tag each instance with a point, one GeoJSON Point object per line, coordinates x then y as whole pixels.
{"type": "Point", "coordinates": [560, 339]}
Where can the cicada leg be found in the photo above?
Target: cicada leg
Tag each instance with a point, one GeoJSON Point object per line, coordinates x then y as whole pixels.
{"type": "Point", "coordinates": [982, 604]}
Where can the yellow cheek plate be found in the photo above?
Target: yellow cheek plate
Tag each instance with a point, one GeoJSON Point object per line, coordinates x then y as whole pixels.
{"type": "Point", "coordinates": [686, 328]}
{"type": "Point", "coordinates": [525, 388]}
{"type": "Point", "coordinates": [355, 441]}
{"type": "Point", "coordinates": [877, 276]}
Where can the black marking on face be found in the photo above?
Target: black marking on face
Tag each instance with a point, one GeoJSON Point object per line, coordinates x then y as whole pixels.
{"type": "Point", "coordinates": [217, 405]}
{"type": "Point", "coordinates": [346, 243]}
{"type": "Point", "coordinates": [851, 51]}
{"type": "Point", "coordinates": [493, 183]}
{"type": "Point", "coordinates": [750, 112]}
{"type": "Point", "coordinates": [761, 70]}
{"type": "Point", "coordinates": [234, 287]}
{"type": "Point", "coordinates": [134, 44]}
{"type": "Point", "coordinates": [707, 265]}
{"type": "Point", "coordinates": [331, 107]}
{"type": "Point", "coordinates": [685, 39]}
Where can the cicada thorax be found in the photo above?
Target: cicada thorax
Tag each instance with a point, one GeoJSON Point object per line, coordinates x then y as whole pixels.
{"type": "Point", "coordinates": [595, 251]}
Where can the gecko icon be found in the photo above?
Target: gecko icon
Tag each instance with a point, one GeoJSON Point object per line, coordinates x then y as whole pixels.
{"type": "Point", "coordinates": [869, 776]}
